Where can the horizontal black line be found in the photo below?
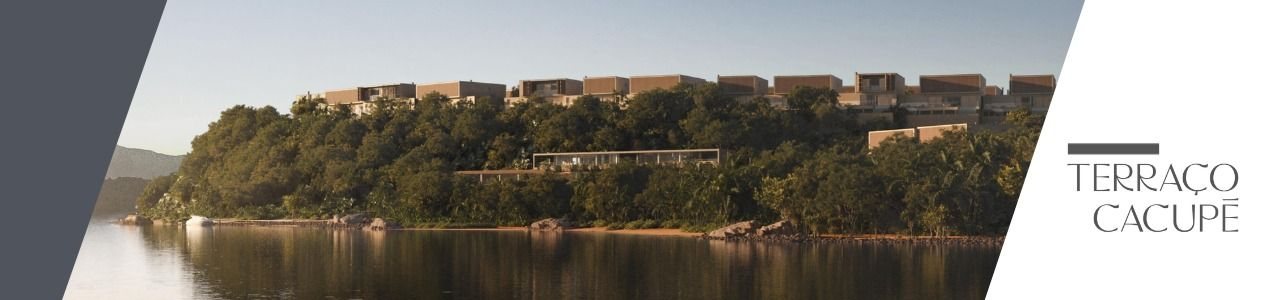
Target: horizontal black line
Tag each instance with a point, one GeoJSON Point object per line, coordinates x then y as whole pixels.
{"type": "Point", "coordinates": [1113, 148]}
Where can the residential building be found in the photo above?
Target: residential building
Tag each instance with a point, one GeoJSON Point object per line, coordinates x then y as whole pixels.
{"type": "Point", "coordinates": [993, 90]}
{"type": "Point", "coordinates": [743, 88]}
{"type": "Point", "coordinates": [1033, 92]}
{"type": "Point", "coordinates": [365, 94]}
{"type": "Point", "coordinates": [560, 91]}
{"type": "Point", "coordinates": [929, 133]}
{"type": "Point", "coordinates": [921, 134]}
{"type": "Point", "coordinates": [875, 138]}
{"type": "Point", "coordinates": [470, 91]}
{"type": "Point", "coordinates": [783, 85]}
{"type": "Point", "coordinates": [608, 88]}
{"type": "Point", "coordinates": [874, 96]}
{"type": "Point", "coordinates": [640, 84]}
{"type": "Point", "coordinates": [360, 99]}
{"type": "Point", "coordinates": [945, 99]}
{"type": "Point", "coordinates": [595, 160]}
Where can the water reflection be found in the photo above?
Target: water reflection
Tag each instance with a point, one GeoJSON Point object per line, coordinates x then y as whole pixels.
{"type": "Point", "coordinates": [306, 263]}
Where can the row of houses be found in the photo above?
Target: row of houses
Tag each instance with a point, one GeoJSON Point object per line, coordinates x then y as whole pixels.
{"type": "Point", "coordinates": [936, 100]}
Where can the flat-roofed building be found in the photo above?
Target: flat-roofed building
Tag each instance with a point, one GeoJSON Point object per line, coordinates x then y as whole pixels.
{"type": "Point", "coordinates": [560, 91]}
{"type": "Point", "coordinates": [874, 95]}
{"type": "Point", "coordinates": [921, 134]}
{"type": "Point", "coordinates": [945, 99]}
{"type": "Point", "coordinates": [640, 84]}
{"type": "Point", "coordinates": [604, 159]}
{"type": "Point", "coordinates": [608, 88]}
{"type": "Point", "coordinates": [993, 90]}
{"type": "Point", "coordinates": [464, 90]}
{"type": "Point", "coordinates": [1033, 92]}
{"type": "Point", "coordinates": [371, 93]}
{"type": "Point", "coordinates": [783, 85]}
{"type": "Point", "coordinates": [929, 133]}
{"type": "Point", "coordinates": [875, 138]}
{"type": "Point", "coordinates": [743, 88]}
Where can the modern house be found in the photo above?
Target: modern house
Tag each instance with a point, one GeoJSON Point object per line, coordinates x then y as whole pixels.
{"type": "Point", "coordinates": [921, 134]}
{"type": "Point", "coordinates": [743, 88]}
{"type": "Point", "coordinates": [874, 95]}
{"type": "Point", "coordinates": [608, 88]}
{"type": "Point", "coordinates": [945, 99]}
{"type": "Point", "coordinates": [1033, 92]}
{"type": "Point", "coordinates": [783, 85]}
{"type": "Point", "coordinates": [359, 94]}
{"type": "Point", "coordinates": [640, 84]}
{"type": "Point", "coordinates": [928, 133]}
{"type": "Point", "coordinates": [360, 99]}
{"type": "Point", "coordinates": [588, 160]}
{"type": "Point", "coordinates": [560, 91]}
{"type": "Point", "coordinates": [469, 91]}
{"type": "Point", "coordinates": [875, 138]}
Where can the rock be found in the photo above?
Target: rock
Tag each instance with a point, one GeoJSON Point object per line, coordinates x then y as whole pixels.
{"type": "Point", "coordinates": [551, 224]}
{"type": "Point", "coordinates": [735, 230]}
{"type": "Point", "coordinates": [784, 228]}
{"type": "Point", "coordinates": [381, 224]}
{"type": "Point", "coordinates": [133, 219]}
{"type": "Point", "coordinates": [199, 221]}
{"type": "Point", "coordinates": [354, 219]}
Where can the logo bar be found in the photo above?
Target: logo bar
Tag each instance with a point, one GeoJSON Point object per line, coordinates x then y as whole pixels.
{"type": "Point", "coordinates": [1113, 148]}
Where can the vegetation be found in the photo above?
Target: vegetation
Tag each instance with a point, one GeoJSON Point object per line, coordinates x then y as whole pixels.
{"type": "Point", "coordinates": [808, 163]}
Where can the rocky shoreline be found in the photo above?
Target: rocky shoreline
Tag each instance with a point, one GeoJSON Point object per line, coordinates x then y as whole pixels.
{"type": "Point", "coordinates": [747, 231]}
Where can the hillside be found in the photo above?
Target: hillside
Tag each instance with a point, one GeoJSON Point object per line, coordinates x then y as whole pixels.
{"type": "Point", "coordinates": [118, 196]}
{"type": "Point", "coordinates": [145, 164]}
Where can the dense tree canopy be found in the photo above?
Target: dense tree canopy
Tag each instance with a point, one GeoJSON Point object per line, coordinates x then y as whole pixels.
{"type": "Point", "coordinates": [809, 163]}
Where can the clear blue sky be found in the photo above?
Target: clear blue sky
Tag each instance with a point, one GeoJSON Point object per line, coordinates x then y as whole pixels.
{"type": "Point", "coordinates": [210, 55]}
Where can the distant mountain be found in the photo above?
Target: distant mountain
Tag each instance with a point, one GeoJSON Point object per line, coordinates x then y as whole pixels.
{"type": "Point", "coordinates": [118, 195]}
{"type": "Point", "coordinates": [145, 164]}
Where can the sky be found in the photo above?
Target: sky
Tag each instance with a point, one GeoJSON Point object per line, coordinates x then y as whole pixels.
{"type": "Point", "coordinates": [210, 55]}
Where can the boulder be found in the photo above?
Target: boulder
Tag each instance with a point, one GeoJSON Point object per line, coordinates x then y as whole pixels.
{"type": "Point", "coordinates": [735, 230]}
{"type": "Point", "coordinates": [354, 219]}
{"type": "Point", "coordinates": [198, 221]}
{"type": "Point", "coordinates": [551, 224]}
{"type": "Point", "coordinates": [784, 228]}
{"type": "Point", "coordinates": [381, 224]}
{"type": "Point", "coordinates": [133, 219]}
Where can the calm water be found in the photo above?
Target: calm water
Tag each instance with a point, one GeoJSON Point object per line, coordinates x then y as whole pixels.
{"type": "Point", "coordinates": [170, 262]}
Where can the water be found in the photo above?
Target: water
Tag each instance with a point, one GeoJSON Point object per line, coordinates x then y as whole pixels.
{"type": "Point", "coordinates": [172, 262]}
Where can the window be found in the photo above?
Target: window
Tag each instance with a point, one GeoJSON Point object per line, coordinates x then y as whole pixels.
{"type": "Point", "coordinates": [868, 100]}
{"type": "Point", "coordinates": [374, 92]}
{"type": "Point", "coordinates": [951, 101]}
{"type": "Point", "coordinates": [873, 81]}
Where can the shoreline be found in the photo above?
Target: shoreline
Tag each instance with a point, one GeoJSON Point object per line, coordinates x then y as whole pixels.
{"type": "Point", "coordinates": [820, 238]}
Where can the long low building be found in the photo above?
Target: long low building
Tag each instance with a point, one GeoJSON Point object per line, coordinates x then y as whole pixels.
{"type": "Point", "coordinates": [571, 160]}
{"type": "Point", "coordinates": [921, 134]}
